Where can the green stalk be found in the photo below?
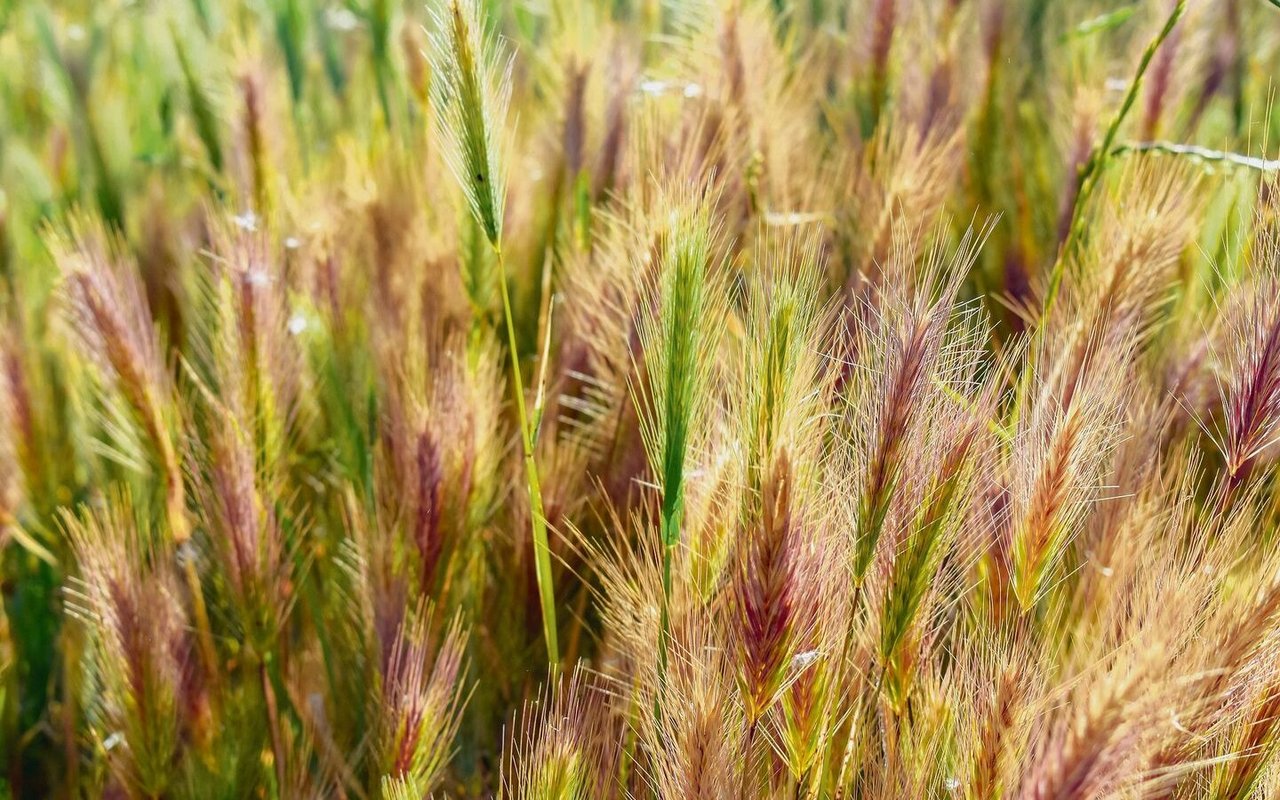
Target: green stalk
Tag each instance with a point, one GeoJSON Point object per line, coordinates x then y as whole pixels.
{"type": "Point", "coordinates": [1091, 173]}
{"type": "Point", "coordinates": [670, 532]}
{"type": "Point", "coordinates": [380, 33]}
{"type": "Point", "coordinates": [541, 548]}
{"type": "Point", "coordinates": [471, 102]}
{"type": "Point", "coordinates": [273, 724]}
{"type": "Point", "coordinates": [1090, 176]}
{"type": "Point", "coordinates": [202, 110]}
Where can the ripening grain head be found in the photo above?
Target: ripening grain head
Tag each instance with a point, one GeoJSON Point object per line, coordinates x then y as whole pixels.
{"type": "Point", "coordinates": [471, 89]}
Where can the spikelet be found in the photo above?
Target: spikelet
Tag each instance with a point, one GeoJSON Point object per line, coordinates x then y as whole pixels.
{"type": "Point", "coordinates": [438, 461]}
{"type": "Point", "coordinates": [421, 703]}
{"type": "Point", "coordinates": [1251, 388]}
{"type": "Point", "coordinates": [678, 338]}
{"type": "Point", "coordinates": [249, 389]}
{"type": "Point", "coordinates": [782, 402]}
{"type": "Point", "coordinates": [1060, 456]}
{"type": "Point", "coordinates": [1092, 754]}
{"type": "Point", "coordinates": [813, 697]}
{"type": "Point", "coordinates": [471, 88]}
{"type": "Point", "coordinates": [936, 542]}
{"type": "Point", "coordinates": [138, 643]}
{"type": "Point", "coordinates": [565, 746]}
{"type": "Point", "coordinates": [766, 589]}
{"type": "Point", "coordinates": [896, 353]}
{"type": "Point", "coordinates": [244, 520]}
{"type": "Point", "coordinates": [698, 744]}
{"type": "Point", "coordinates": [783, 384]}
{"type": "Point", "coordinates": [998, 716]}
{"type": "Point", "coordinates": [108, 312]}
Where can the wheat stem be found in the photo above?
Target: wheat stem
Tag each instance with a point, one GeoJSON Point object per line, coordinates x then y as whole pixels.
{"type": "Point", "coordinates": [1091, 174]}
{"type": "Point", "coordinates": [541, 548]}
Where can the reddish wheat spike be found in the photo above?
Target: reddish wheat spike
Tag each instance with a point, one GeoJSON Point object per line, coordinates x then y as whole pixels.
{"type": "Point", "coordinates": [244, 430]}
{"type": "Point", "coordinates": [779, 412]}
{"type": "Point", "coordinates": [934, 536]}
{"type": "Point", "coordinates": [898, 361]}
{"type": "Point", "coordinates": [110, 315]}
{"type": "Point", "coordinates": [1252, 393]}
{"type": "Point", "coordinates": [244, 520]}
{"type": "Point", "coordinates": [998, 719]}
{"type": "Point", "coordinates": [1061, 455]}
{"type": "Point", "coordinates": [812, 699]}
{"type": "Point", "coordinates": [138, 644]}
{"type": "Point", "coordinates": [438, 448]}
{"type": "Point", "coordinates": [257, 354]}
{"type": "Point", "coordinates": [764, 585]}
{"type": "Point", "coordinates": [908, 362]}
{"type": "Point", "coordinates": [421, 702]}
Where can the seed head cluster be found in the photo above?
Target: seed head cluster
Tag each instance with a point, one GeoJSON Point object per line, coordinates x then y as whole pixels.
{"type": "Point", "coordinates": [636, 400]}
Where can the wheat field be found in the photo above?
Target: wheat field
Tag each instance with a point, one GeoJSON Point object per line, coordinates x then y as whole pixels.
{"type": "Point", "coordinates": [639, 399]}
